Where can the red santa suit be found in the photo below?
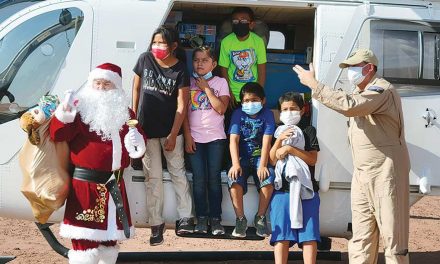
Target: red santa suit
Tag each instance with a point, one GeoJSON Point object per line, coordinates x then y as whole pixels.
{"type": "Point", "coordinates": [90, 217]}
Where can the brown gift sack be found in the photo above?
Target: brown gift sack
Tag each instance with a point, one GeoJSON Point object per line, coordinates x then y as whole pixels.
{"type": "Point", "coordinates": [45, 174]}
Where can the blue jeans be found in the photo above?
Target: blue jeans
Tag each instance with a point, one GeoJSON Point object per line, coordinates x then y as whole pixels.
{"type": "Point", "coordinates": [206, 165]}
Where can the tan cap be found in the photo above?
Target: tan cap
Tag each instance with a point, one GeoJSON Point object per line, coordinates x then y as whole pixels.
{"type": "Point", "coordinates": [361, 55]}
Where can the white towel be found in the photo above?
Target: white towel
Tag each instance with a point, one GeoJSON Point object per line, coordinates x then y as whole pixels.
{"type": "Point", "coordinates": [297, 173]}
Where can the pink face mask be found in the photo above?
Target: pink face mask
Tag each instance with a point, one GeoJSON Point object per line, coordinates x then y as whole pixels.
{"type": "Point", "coordinates": [160, 52]}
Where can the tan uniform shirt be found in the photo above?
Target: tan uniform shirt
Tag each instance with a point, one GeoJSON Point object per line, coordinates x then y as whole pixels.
{"type": "Point", "coordinates": [376, 119]}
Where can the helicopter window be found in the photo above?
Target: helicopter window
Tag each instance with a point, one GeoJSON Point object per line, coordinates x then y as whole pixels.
{"type": "Point", "coordinates": [402, 61]}
{"type": "Point", "coordinates": [32, 55]}
{"type": "Point", "coordinates": [408, 54]}
{"type": "Point", "coordinates": [276, 40]}
{"type": "Point", "coordinates": [10, 7]}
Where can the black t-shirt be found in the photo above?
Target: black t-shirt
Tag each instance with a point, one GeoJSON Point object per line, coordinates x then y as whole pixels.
{"type": "Point", "coordinates": [311, 143]}
{"type": "Point", "coordinates": [158, 96]}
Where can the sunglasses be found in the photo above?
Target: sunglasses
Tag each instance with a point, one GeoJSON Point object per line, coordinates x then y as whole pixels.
{"type": "Point", "coordinates": [241, 21]}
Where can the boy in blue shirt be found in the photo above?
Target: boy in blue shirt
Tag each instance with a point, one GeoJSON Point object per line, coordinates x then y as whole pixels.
{"type": "Point", "coordinates": [251, 130]}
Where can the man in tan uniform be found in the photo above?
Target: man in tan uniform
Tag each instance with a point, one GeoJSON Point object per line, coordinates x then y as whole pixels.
{"type": "Point", "coordinates": [380, 184]}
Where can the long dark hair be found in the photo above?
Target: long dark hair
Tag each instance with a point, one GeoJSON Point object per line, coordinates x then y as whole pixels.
{"type": "Point", "coordinates": [170, 36]}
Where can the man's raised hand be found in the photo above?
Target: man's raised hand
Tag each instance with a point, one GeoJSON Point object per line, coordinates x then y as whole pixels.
{"type": "Point", "coordinates": [306, 77]}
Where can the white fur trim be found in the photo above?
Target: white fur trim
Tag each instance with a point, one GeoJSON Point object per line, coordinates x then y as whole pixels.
{"type": "Point", "coordinates": [108, 255]}
{"type": "Point", "coordinates": [117, 150]}
{"type": "Point", "coordinates": [64, 116]}
{"type": "Point", "coordinates": [98, 73]}
{"type": "Point", "coordinates": [77, 232]}
{"type": "Point", "coordinates": [88, 256]}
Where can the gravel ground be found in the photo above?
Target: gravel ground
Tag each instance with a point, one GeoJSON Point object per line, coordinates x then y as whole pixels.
{"type": "Point", "coordinates": [23, 240]}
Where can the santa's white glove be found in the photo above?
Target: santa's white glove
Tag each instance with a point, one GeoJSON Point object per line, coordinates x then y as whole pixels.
{"type": "Point", "coordinates": [66, 111]}
{"type": "Point", "coordinates": [135, 137]}
{"type": "Point", "coordinates": [134, 143]}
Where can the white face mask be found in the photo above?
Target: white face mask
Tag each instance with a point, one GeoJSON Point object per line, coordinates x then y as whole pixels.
{"type": "Point", "coordinates": [290, 117]}
{"type": "Point", "coordinates": [354, 75]}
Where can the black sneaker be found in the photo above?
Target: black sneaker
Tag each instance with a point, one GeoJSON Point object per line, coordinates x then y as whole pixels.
{"type": "Point", "coordinates": [240, 227]}
{"type": "Point", "coordinates": [216, 228]}
{"type": "Point", "coordinates": [185, 226]}
{"type": "Point", "coordinates": [260, 223]}
{"type": "Point", "coordinates": [156, 237]}
{"type": "Point", "coordinates": [202, 225]}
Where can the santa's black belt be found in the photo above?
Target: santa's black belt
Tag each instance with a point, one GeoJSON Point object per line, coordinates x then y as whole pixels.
{"type": "Point", "coordinates": [94, 176]}
{"type": "Point", "coordinates": [102, 177]}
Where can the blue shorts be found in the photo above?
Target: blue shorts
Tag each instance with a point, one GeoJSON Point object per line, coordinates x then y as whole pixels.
{"type": "Point", "coordinates": [250, 166]}
{"type": "Point", "coordinates": [280, 220]}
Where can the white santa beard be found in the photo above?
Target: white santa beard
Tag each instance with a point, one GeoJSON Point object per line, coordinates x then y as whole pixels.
{"type": "Point", "coordinates": [104, 111]}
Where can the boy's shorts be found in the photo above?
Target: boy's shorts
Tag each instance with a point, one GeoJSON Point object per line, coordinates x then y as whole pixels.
{"type": "Point", "coordinates": [280, 220]}
{"type": "Point", "coordinates": [248, 167]}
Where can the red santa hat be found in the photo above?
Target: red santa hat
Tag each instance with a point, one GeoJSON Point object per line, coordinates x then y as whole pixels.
{"type": "Point", "coordinates": [107, 71]}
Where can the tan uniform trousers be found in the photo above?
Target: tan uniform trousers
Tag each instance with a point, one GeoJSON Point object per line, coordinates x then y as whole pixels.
{"type": "Point", "coordinates": [380, 205]}
{"type": "Point", "coordinates": [152, 165]}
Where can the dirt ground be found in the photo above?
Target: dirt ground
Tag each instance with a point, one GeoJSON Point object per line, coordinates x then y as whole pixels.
{"type": "Point", "coordinates": [23, 240]}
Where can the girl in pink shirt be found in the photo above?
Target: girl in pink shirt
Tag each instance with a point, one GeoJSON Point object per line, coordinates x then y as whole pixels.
{"type": "Point", "coordinates": [205, 138]}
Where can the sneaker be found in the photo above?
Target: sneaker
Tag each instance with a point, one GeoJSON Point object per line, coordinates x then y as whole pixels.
{"type": "Point", "coordinates": [216, 228]}
{"type": "Point", "coordinates": [185, 226]}
{"type": "Point", "coordinates": [202, 225]}
{"type": "Point", "coordinates": [240, 227]}
{"type": "Point", "coordinates": [260, 223]}
{"type": "Point", "coordinates": [156, 237]}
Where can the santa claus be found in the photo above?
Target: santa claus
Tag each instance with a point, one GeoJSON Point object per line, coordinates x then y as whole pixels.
{"type": "Point", "coordinates": [94, 123]}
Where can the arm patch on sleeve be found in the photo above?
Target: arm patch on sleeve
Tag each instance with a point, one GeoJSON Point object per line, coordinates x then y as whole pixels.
{"type": "Point", "coordinates": [377, 89]}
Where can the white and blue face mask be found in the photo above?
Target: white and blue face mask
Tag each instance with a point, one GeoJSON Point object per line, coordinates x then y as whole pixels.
{"type": "Point", "coordinates": [206, 76]}
{"type": "Point", "coordinates": [251, 108]}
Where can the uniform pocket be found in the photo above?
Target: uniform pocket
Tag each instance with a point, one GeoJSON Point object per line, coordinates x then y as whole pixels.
{"type": "Point", "coordinates": [385, 188]}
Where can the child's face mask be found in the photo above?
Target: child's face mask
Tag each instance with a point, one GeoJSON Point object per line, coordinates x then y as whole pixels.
{"type": "Point", "coordinates": [241, 29]}
{"type": "Point", "coordinates": [206, 76]}
{"type": "Point", "coordinates": [290, 117]}
{"type": "Point", "coordinates": [251, 108]}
